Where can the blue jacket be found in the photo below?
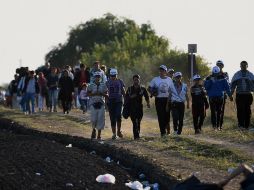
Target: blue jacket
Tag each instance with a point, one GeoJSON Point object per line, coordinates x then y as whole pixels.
{"type": "Point", "coordinates": [216, 86]}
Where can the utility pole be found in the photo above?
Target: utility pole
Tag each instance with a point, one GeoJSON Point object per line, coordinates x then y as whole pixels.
{"type": "Point", "coordinates": [192, 48]}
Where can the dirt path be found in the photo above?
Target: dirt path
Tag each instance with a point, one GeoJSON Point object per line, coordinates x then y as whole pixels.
{"type": "Point", "coordinates": [247, 148]}
{"type": "Point", "coordinates": [172, 162]}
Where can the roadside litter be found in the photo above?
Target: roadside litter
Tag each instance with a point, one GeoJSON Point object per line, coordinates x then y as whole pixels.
{"type": "Point", "coordinates": [93, 152]}
{"type": "Point", "coordinates": [69, 185]}
{"type": "Point", "coordinates": [230, 170]}
{"type": "Point", "coordinates": [108, 159]}
{"type": "Point", "coordinates": [69, 146]}
{"type": "Point", "coordinates": [106, 178]}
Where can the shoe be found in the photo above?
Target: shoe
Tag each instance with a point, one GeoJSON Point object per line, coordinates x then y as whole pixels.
{"type": "Point", "coordinates": [119, 134]}
{"type": "Point", "coordinates": [93, 136]}
{"type": "Point", "coordinates": [175, 133]}
{"type": "Point", "coordinates": [114, 137]}
{"type": "Point", "coordinates": [55, 110]}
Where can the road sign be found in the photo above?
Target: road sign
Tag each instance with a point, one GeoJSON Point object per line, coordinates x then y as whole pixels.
{"type": "Point", "coordinates": [192, 48]}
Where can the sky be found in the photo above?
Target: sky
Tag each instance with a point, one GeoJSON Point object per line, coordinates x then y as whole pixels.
{"type": "Point", "coordinates": [222, 29]}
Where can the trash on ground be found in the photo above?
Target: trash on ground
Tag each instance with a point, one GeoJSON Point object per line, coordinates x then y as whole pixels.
{"type": "Point", "coordinates": [93, 152]}
{"type": "Point", "coordinates": [38, 173]}
{"type": "Point", "coordinates": [69, 185]}
{"type": "Point", "coordinates": [230, 170]}
{"type": "Point", "coordinates": [135, 185]}
{"type": "Point", "coordinates": [142, 176]}
{"type": "Point", "coordinates": [108, 159]}
{"type": "Point", "coordinates": [106, 178]}
{"type": "Point", "coordinates": [155, 186]}
{"type": "Point", "coordinates": [69, 146]}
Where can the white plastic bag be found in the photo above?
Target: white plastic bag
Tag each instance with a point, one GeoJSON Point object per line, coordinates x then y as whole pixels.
{"type": "Point", "coordinates": [106, 178]}
{"type": "Point", "coordinates": [135, 185]}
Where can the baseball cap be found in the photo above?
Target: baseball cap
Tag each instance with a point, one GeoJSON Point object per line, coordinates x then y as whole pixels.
{"type": "Point", "coordinates": [215, 70]}
{"type": "Point", "coordinates": [196, 77]}
{"type": "Point", "coordinates": [113, 71]}
{"type": "Point", "coordinates": [177, 74]}
{"type": "Point", "coordinates": [163, 67]}
{"type": "Point", "coordinates": [219, 62]}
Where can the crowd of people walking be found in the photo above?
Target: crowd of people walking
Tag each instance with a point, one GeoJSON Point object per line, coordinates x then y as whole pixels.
{"type": "Point", "coordinates": [98, 89]}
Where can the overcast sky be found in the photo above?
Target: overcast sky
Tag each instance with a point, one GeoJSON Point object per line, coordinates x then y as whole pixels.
{"type": "Point", "coordinates": [223, 29]}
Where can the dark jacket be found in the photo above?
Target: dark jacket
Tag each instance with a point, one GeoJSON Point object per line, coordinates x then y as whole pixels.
{"type": "Point", "coordinates": [66, 88]}
{"type": "Point", "coordinates": [77, 77]}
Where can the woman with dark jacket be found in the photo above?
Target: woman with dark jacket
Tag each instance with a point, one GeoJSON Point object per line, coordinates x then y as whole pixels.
{"type": "Point", "coordinates": [133, 97]}
{"type": "Point", "coordinates": [66, 91]}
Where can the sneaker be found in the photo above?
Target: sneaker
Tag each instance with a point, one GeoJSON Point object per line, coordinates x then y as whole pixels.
{"type": "Point", "coordinates": [120, 134]}
{"type": "Point", "coordinates": [114, 137]}
{"type": "Point", "coordinates": [93, 136]}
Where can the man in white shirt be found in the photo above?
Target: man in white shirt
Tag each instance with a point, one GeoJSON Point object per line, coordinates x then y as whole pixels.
{"type": "Point", "coordinates": [159, 87]}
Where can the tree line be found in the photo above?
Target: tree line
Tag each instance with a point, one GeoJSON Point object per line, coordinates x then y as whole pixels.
{"type": "Point", "coordinates": [121, 43]}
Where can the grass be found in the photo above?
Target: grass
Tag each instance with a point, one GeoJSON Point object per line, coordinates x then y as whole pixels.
{"type": "Point", "coordinates": [206, 154]}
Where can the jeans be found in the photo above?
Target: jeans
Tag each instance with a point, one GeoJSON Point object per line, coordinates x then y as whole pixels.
{"type": "Point", "coordinates": [163, 115]}
{"type": "Point", "coordinates": [243, 104]}
{"type": "Point", "coordinates": [115, 111]}
{"type": "Point", "coordinates": [30, 97]}
{"type": "Point", "coordinates": [53, 98]}
{"type": "Point", "coordinates": [216, 104]}
{"type": "Point", "coordinates": [83, 104]}
{"type": "Point", "coordinates": [178, 115]}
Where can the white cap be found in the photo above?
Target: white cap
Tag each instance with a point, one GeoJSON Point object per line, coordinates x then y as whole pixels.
{"type": "Point", "coordinates": [215, 70]}
{"type": "Point", "coordinates": [163, 67]}
{"type": "Point", "coordinates": [177, 74]}
{"type": "Point", "coordinates": [97, 73]}
{"type": "Point", "coordinates": [219, 62]}
{"type": "Point", "coordinates": [196, 77]}
{"type": "Point", "coordinates": [113, 71]}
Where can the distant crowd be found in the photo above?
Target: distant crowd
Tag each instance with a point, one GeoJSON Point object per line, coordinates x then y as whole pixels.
{"type": "Point", "coordinates": [98, 89]}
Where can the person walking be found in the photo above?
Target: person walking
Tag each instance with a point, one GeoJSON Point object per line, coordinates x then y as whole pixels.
{"type": "Point", "coordinates": [53, 91]}
{"type": "Point", "coordinates": [199, 103]}
{"type": "Point", "coordinates": [115, 102]}
{"type": "Point", "coordinates": [30, 90]}
{"type": "Point", "coordinates": [81, 76]}
{"type": "Point", "coordinates": [66, 91]}
{"type": "Point", "coordinates": [159, 87]}
{"type": "Point", "coordinates": [243, 82]}
{"type": "Point", "coordinates": [179, 94]}
{"type": "Point", "coordinates": [97, 68]}
{"type": "Point", "coordinates": [43, 90]}
{"type": "Point", "coordinates": [168, 109]}
{"type": "Point", "coordinates": [134, 96]}
{"type": "Point", "coordinates": [222, 74]}
{"type": "Point", "coordinates": [97, 91]}
{"type": "Point", "coordinates": [83, 98]}
{"type": "Point", "coordinates": [14, 90]}
{"type": "Point", "coordinates": [215, 86]}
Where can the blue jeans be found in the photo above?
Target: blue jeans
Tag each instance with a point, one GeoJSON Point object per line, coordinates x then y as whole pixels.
{"type": "Point", "coordinates": [53, 98]}
{"type": "Point", "coordinates": [115, 111]}
{"type": "Point", "coordinates": [30, 97]}
{"type": "Point", "coordinates": [83, 104]}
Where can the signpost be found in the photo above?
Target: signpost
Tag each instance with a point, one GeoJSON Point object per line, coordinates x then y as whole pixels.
{"type": "Point", "coordinates": [192, 48]}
